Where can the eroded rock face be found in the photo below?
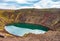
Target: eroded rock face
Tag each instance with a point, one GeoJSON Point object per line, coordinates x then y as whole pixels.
{"type": "Point", "coordinates": [46, 18]}
{"type": "Point", "coordinates": [49, 36]}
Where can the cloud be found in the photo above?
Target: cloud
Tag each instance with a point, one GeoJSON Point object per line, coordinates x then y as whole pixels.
{"type": "Point", "coordinates": [47, 4]}
{"type": "Point", "coordinates": [18, 4]}
{"type": "Point", "coordinates": [55, 0]}
{"type": "Point", "coordinates": [7, 7]}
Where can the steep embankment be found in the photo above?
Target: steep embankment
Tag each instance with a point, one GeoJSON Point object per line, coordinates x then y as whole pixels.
{"type": "Point", "coordinates": [46, 17]}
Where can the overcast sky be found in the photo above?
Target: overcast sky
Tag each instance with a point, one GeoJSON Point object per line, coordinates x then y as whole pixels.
{"type": "Point", "coordinates": [18, 4]}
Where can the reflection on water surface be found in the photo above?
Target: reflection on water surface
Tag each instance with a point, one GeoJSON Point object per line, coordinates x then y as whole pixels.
{"type": "Point", "coordinates": [19, 29]}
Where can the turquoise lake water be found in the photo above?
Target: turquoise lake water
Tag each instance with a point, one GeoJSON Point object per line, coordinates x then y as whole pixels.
{"type": "Point", "coordinates": [19, 29]}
